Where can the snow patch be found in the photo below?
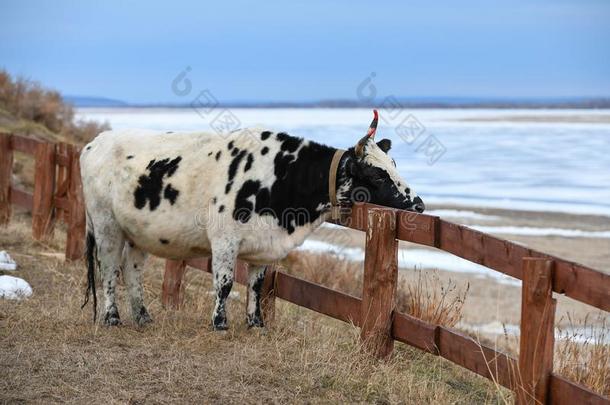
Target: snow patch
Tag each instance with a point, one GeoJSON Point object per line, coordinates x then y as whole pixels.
{"type": "Point", "coordinates": [462, 214]}
{"type": "Point", "coordinates": [414, 258]}
{"type": "Point", "coordinates": [531, 231]}
{"type": "Point", "coordinates": [14, 288]}
{"type": "Point", "coordinates": [6, 263]}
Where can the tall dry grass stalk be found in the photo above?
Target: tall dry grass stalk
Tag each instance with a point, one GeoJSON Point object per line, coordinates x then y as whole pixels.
{"type": "Point", "coordinates": [431, 300]}
{"type": "Point", "coordinates": [424, 296]}
{"type": "Point", "coordinates": [582, 352]}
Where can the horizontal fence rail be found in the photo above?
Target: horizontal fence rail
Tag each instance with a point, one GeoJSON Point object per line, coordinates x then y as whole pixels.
{"type": "Point", "coordinates": [574, 280]}
{"type": "Point", "coordinates": [58, 195]}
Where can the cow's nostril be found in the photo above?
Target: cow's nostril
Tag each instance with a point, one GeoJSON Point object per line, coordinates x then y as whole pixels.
{"type": "Point", "coordinates": [418, 205]}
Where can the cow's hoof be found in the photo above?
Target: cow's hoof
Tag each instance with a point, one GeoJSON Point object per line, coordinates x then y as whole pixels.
{"type": "Point", "coordinates": [112, 319]}
{"type": "Point", "coordinates": [143, 317]}
{"type": "Point", "coordinates": [219, 323]}
{"type": "Point", "coordinates": [255, 322]}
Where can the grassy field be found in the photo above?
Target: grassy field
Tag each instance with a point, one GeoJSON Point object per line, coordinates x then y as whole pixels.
{"type": "Point", "coordinates": [50, 351]}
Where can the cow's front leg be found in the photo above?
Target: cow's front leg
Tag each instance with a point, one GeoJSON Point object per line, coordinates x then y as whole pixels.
{"type": "Point", "coordinates": [256, 276]}
{"type": "Point", "coordinates": [224, 254]}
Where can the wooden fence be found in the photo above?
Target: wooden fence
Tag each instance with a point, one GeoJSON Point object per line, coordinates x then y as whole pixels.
{"type": "Point", "coordinates": [57, 193]}
{"type": "Point", "coordinates": [530, 375]}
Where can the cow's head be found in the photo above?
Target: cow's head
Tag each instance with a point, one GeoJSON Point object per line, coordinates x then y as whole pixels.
{"type": "Point", "coordinates": [374, 177]}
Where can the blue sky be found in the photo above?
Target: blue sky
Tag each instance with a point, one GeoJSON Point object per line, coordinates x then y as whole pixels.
{"type": "Point", "coordinates": [279, 51]}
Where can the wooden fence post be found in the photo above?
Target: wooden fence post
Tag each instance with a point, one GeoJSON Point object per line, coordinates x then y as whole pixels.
{"type": "Point", "coordinates": [6, 170]}
{"type": "Point", "coordinates": [537, 331]}
{"type": "Point", "coordinates": [44, 188]}
{"type": "Point", "coordinates": [75, 243]}
{"type": "Point", "coordinates": [268, 296]}
{"type": "Point", "coordinates": [171, 294]}
{"type": "Point", "coordinates": [379, 284]}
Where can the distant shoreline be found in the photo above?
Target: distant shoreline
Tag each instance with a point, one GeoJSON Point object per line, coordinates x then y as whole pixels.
{"type": "Point", "coordinates": [440, 103]}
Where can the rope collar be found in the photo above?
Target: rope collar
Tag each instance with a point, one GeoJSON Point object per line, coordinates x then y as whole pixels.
{"type": "Point", "coordinates": [332, 183]}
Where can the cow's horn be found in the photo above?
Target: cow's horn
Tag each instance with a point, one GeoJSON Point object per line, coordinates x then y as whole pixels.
{"type": "Point", "coordinates": [370, 134]}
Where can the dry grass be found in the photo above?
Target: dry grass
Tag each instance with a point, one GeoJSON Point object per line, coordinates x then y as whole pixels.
{"type": "Point", "coordinates": [29, 109]}
{"type": "Point", "coordinates": [582, 353]}
{"type": "Point", "coordinates": [51, 352]}
{"type": "Point", "coordinates": [424, 296]}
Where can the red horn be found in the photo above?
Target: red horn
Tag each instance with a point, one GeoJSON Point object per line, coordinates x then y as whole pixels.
{"type": "Point", "coordinates": [373, 127]}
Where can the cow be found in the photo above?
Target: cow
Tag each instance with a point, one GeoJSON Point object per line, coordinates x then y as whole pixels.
{"type": "Point", "coordinates": [253, 194]}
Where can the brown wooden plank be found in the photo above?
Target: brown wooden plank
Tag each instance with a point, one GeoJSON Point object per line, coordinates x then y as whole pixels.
{"type": "Point", "coordinates": [240, 272]}
{"type": "Point", "coordinates": [63, 159]}
{"type": "Point", "coordinates": [415, 332]}
{"type": "Point", "coordinates": [201, 263]}
{"type": "Point", "coordinates": [318, 298]}
{"type": "Point", "coordinates": [62, 203]}
{"type": "Point", "coordinates": [171, 293]}
{"type": "Point", "coordinates": [417, 228]}
{"type": "Point", "coordinates": [268, 296]}
{"type": "Point", "coordinates": [537, 339]}
{"type": "Point", "coordinates": [43, 220]}
{"type": "Point", "coordinates": [6, 171]}
{"type": "Point", "coordinates": [25, 145]}
{"type": "Point", "coordinates": [75, 243]}
{"type": "Point", "coordinates": [582, 284]}
{"type": "Point", "coordinates": [379, 282]}
{"type": "Point", "coordinates": [481, 248]}
{"type": "Point", "coordinates": [485, 361]}
{"type": "Point", "coordinates": [565, 392]}
{"type": "Point", "coordinates": [22, 198]}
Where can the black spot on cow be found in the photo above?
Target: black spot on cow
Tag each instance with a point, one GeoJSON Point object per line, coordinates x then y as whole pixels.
{"type": "Point", "coordinates": [264, 150]}
{"type": "Point", "coordinates": [150, 185]}
{"type": "Point", "coordinates": [230, 145]}
{"type": "Point", "coordinates": [210, 153]}
{"type": "Point", "coordinates": [214, 200]}
{"type": "Point", "coordinates": [164, 241]}
{"type": "Point", "coordinates": [234, 152]}
{"type": "Point", "coordinates": [300, 188]}
{"type": "Point", "coordinates": [265, 135]}
{"type": "Point", "coordinates": [218, 155]}
{"type": "Point", "coordinates": [129, 157]}
{"type": "Point", "coordinates": [170, 193]}
{"type": "Point", "coordinates": [88, 147]}
{"type": "Point", "coordinates": [233, 168]}
{"type": "Point", "coordinates": [221, 208]}
{"type": "Point", "coordinates": [289, 143]}
{"type": "Point", "coordinates": [249, 162]}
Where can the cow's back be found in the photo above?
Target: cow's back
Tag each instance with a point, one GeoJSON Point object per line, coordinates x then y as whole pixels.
{"type": "Point", "coordinates": [170, 191]}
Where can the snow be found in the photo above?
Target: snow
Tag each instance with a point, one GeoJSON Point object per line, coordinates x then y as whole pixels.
{"type": "Point", "coordinates": [462, 214]}
{"type": "Point", "coordinates": [531, 231]}
{"type": "Point", "coordinates": [14, 288]}
{"type": "Point", "coordinates": [414, 258]}
{"type": "Point", "coordinates": [6, 263]}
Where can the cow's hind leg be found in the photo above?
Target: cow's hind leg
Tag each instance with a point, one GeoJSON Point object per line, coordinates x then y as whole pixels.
{"type": "Point", "coordinates": [110, 241]}
{"type": "Point", "coordinates": [133, 264]}
{"type": "Point", "coordinates": [256, 276]}
{"type": "Point", "coordinates": [224, 254]}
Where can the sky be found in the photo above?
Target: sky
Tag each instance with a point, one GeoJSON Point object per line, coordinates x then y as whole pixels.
{"type": "Point", "coordinates": [309, 50]}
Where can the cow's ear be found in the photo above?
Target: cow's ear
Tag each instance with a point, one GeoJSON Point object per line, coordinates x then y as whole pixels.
{"type": "Point", "coordinates": [385, 145]}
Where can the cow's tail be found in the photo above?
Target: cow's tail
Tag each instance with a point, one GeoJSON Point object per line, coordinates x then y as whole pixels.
{"type": "Point", "coordinates": [91, 262]}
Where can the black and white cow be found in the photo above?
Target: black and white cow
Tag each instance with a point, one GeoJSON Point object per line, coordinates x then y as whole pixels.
{"type": "Point", "coordinates": [254, 195]}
